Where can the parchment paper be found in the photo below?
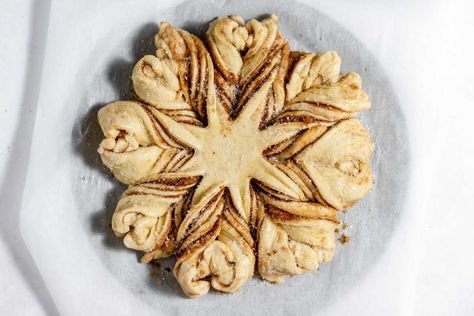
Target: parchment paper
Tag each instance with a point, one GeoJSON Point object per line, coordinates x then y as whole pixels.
{"type": "Point", "coordinates": [70, 196]}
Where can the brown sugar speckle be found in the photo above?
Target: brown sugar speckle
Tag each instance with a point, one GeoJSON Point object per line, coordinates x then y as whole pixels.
{"type": "Point", "coordinates": [153, 274]}
{"type": "Point", "coordinates": [155, 264]}
{"type": "Point", "coordinates": [344, 239]}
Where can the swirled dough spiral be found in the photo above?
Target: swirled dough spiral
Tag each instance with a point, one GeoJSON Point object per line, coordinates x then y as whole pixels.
{"type": "Point", "coordinates": [143, 215]}
{"type": "Point", "coordinates": [294, 237]}
{"type": "Point", "coordinates": [136, 145]}
{"type": "Point", "coordinates": [229, 263]}
{"type": "Point", "coordinates": [338, 164]}
{"type": "Point", "coordinates": [216, 243]}
{"type": "Point", "coordinates": [316, 92]}
{"type": "Point", "coordinates": [246, 56]}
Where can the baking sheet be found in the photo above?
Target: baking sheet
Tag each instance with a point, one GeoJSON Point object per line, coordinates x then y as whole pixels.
{"type": "Point", "coordinates": [70, 196]}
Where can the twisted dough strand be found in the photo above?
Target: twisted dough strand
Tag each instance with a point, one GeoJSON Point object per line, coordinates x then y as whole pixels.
{"type": "Point", "coordinates": [136, 145]}
{"type": "Point", "coordinates": [316, 92]}
{"type": "Point", "coordinates": [214, 240]}
{"type": "Point", "coordinates": [176, 80]}
{"type": "Point", "coordinates": [144, 213]}
{"type": "Point", "coordinates": [245, 57]}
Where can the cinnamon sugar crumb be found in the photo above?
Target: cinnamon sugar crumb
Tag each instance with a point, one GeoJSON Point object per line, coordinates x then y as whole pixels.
{"type": "Point", "coordinates": [155, 264]}
{"type": "Point", "coordinates": [344, 239]}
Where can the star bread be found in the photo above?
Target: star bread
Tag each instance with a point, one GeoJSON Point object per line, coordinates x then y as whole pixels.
{"type": "Point", "coordinates": [238, 153]}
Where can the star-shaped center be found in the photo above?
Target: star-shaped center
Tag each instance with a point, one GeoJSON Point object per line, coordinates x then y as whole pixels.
{"type": "Point", "coordinates": [229, 152]}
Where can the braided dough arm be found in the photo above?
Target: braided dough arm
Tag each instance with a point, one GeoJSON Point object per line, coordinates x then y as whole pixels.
{"type": "Point", "coordinates": [144, 213]}
{"type": "Point", "coordinates": [315, 91]}
{"type": "Point", "coordinates": [177, 80]}
{"type": "Point", "coordinates": [294, 237]}
{"type": "Point", "coordinates": [214, 240]}
{"type": "Point", "coordinates": [246, 56]}
{"type": "Point", "coordinates": [136, 143]}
